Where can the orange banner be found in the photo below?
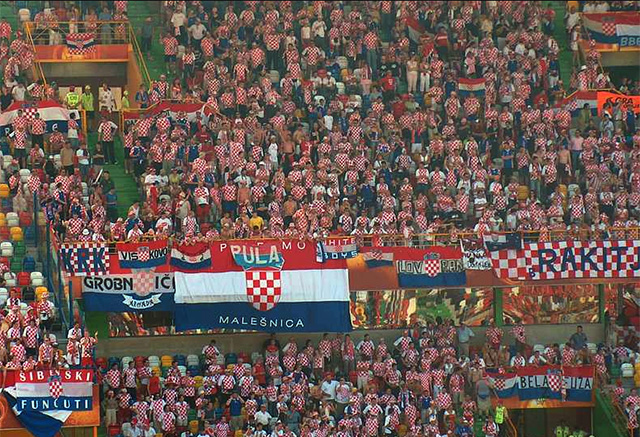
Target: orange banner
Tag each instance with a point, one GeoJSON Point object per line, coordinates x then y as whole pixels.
{"type": "Point", "coordinates": [110, 52]}
{"type": "Point", "coordinates": [607, 98]}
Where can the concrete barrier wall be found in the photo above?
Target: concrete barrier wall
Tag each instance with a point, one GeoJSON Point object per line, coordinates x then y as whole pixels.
{"type": "Point", "coordinates": [251, 342]}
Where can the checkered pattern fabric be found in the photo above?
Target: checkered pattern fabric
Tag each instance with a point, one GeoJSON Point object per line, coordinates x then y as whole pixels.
{"type": "Point", "coordinates": [55, 386]}
{"type": "Point", "coordinates": [555, 381]}
{"type": "Point", "coordinates": [144, 281]}
{"type": "Point", "coordinates": [30, 112]}
{"type": "Point", "coordinates": [432, 267]}
{"type": "Point", "coordinates": [143, 253]}
{"type": "Point", "coordinates": [609, 27]}
{"type": "Point", "coordinates": [81, 258]}
{"type": "Point", "coordinates": [81, 43]}
{"type": "Point", "coordinates": [596, 259]}
{"type": "Point", "coordinates": [263, 288]}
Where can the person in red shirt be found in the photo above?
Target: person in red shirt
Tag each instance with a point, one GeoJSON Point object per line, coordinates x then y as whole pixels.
{"type": "Point", "coordinates": [388, 85]}
{"type": "Point", "coordinates": [442, 44]}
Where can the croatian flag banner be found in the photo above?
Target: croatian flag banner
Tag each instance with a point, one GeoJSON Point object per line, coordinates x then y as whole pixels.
{"type": "Point", "coordinates": [265, 286]}
{"type": "Point", "coordinates": [143, 255]}
{"type": "Point", "coordinates": [43, 400]}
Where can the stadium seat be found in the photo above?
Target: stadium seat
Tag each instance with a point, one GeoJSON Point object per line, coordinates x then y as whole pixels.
{"type": "Point", "coordinates": [24, 175]}
{"type": "Point", "coordinates": [13, 219]}
{"type": "Point", "coordinates": [183, 370]}
{"type": "Point", "coordinates": [10, 279]}
{"type": "Point", "coordinates": [125, 361]}
{"type": "Point", "coordinates": [593, 348]}
{"type": "Point", "coordinates": [24, 279]}
{"type": "Point", "coordinates": [19, 249]}
{"type": "Point", "coordinates": [230, 358]}
{"type": "Point", "coordinates": [16, 234]}
{"type": "Point", "coordinates": [193, 360]}
{"type": "Point", "coordinates": [626, 370]}
{"type": "Point", "coordinates": [199, 380]}
{"type": "Point", "coordinates": [29, 264]}
{"type": "Point", "coordinates": [6, 161]}
{"type": "Point", "coordinates": [4, 191]}
{"type": "Point", "coordinates": [244, 357]}
{"type": "Point", "coordinates": [4, 295]}
{"type": "Point", "coordinates": [26, 219]}
{"type": "Point", "coordinates": [193, 427]}
{"type": "Point", "coordinates": [538, 348]}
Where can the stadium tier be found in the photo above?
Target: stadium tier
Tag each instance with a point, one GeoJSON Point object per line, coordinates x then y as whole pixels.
{"type": "Point", "coordinates": [320, 218]}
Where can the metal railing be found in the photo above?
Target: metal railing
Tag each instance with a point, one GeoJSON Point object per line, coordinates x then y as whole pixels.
{"type": "Point", "coordinates": [510, 429]}
{"type": "Point", "coordinates": [615, 411]}
{"type": "Point", "coordinates": [436, 239]}
{"type": "Point", "coordinates": [142, 64]}
{"type": "Point", "coordinates": [38, 72]}
{"type": "Point", "coordinates": [55, 32]}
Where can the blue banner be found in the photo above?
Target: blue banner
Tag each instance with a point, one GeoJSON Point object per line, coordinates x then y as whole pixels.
{"type": "Point", "coordinates": [142, 291]}
{"type": "Point", "coordinates": [285, 317]}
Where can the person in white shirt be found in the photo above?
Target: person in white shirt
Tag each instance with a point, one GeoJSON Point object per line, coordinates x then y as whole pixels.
{"type": "Point", "coordinates": [75, 333]}
{"type": "Point", "coordinates": [105, 98]}
{"type": "Point", "coordinates": [197, 31]}
{"type": "Point", "coordinates": [537, 359]}
{"type": "Point", "coordinates": [328, 388]}
{"type": "Point", "coordinates": [262, 417]}
{"type": "Point", "coordinates": [19, 92]}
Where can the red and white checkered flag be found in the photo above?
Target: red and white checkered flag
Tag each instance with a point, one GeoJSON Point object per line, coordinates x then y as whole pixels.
{"type": "Point", "coordinates": [81, 43]}
{"type": "Point", "coordinates": [55, 386]}
{"type": "Point", "coordinates": [432, 267]}
{"type": "Point", "coordinates": [144, 254]}
{"type": "Point", "coordinates": [264, 288]}
{"type": "Point", "coordinates": [609, 26]}
{"type": "Point", "coordinates": [144, 281]}
{"type": "Point", "coordinates": [555, 380]}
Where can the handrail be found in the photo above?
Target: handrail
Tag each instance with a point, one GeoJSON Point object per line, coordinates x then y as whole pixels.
{"type": "Point", "coordinates": [586, 32]}
{"type": "Point", "coordinates": [146, 77]}
{"type": "Point", "coordinates": [37, 66]}
{"type": "Point", "coordinates": [511, 430]}
{"type": "Point", "coordinates": [104, 31]}
{"type": "Point", "coordinates": [417, 240]}
{"type": "Point", "coordinates": [618, 415]}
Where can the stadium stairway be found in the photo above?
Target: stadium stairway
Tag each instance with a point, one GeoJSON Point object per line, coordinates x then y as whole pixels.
{"type": "Point", "coordinates": [126, 187]}
{"type": "Point", "coordinates": [138, 12]}
{"type": "Point", "coordinates": [565, 56]}
{"type": "Point", "coordinates": [9, 12]}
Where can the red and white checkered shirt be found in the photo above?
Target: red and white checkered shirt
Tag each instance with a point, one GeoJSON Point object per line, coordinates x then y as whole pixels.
{"type": "Point", "coordinates": [170, 44]}
{"type": "Point", "coordinates": [38, 126]}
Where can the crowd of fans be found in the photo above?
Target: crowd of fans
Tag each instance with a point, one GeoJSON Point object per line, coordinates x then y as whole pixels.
{"type": "Point", "coordinates": [27, 339]}
{"type": "Point", "coordinates": [430, 382]}
{"type": "Point", "coordinates": [332, 118]}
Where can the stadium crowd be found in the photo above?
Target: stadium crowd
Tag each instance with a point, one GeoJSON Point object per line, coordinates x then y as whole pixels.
{"type": "Point", "coordinates": [327, 118]}
{"type": "Point", "coordinates": [320, 121]}
{"type": "Point", "coordinates": [429, 382]}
